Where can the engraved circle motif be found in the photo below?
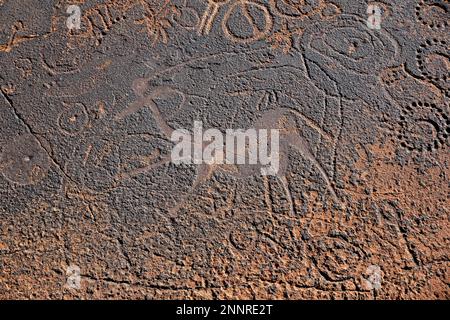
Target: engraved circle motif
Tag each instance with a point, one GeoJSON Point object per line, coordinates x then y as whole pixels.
{"type": "Point", "coordinates": [73, 119]}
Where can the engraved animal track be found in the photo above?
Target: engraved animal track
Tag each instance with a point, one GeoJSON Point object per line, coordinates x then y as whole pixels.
{"type": "Point", "coordinates": [405, 87]}
{"type": "Point", "coordinates": [24, 161]}
{"type": "Point", "coordinates": [393, 76]}
{"type": "Point", "coordinates": [424, 126]}
{"type": "Point", "coordinates": [433, 13]}
{"type": "Point", "coordinates": [433, 61]}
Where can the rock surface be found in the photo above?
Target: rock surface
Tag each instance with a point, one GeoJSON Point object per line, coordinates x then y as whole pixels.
{"type": "Point", "coordinates": [91, 206]}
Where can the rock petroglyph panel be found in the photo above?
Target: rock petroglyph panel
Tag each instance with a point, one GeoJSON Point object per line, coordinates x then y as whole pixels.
{"type": "Point", "coordinates": [93, 205]}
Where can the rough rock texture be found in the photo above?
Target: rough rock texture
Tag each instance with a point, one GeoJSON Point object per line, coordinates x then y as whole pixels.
{"type": "Point", "coordinates": [361, 210]}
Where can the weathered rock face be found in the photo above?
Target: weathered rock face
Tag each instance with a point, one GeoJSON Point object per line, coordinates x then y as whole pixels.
{"type": "Point", "coordinates": [91, 205]}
